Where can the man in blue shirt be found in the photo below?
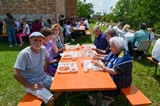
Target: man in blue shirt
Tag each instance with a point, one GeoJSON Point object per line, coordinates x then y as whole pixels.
{"type": "Point", "coordinates": [100, 41]}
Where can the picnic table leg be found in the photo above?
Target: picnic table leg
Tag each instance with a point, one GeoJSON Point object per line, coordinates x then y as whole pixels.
{"type": "Point", "coordinates": [67, 101]}
{"type": "Point", "coordinates": [149, 67]}
{"type": "Point", "coordinates": [99, 98]}
{"type": "Point", "coordinates": [156, 69]}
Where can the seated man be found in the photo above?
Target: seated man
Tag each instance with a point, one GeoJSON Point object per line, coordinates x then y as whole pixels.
{"type": "Point", "coordinates": [119, 66]}
{"type": "Point", "coordinates": [108, 34]}
{"type": "Point", "coordinates": [29, 69]}
{"type": "Point", "coordinates": [156, 51]}
{"type": "Point", "coordinates": [100, 41]}
{"type": "Point", "coordinates": [140, 35]}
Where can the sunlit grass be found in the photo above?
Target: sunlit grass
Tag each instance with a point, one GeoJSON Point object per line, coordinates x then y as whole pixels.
{"type": "Point", "coordinates": [11, 91]}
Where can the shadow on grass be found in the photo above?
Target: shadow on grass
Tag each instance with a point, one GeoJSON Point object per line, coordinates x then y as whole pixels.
{"type": "Point", "coordinates": [143, 61]}
{"type": "Point", "coordinates": [82, 100]}
{"type": "Point", "coordinates": [157, 77]}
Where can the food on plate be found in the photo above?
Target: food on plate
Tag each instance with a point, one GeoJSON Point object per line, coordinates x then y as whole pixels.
{"type": "Point", "coordinates": [67, 55]}
{"type": "Point", "coordinates": [64, 68]}
{"type": "Point", "coordinates": [71, 47]}
{"type": "Point", "coordinates": [90, 53]}
{"type": "Point", "coordinates": [85, 46]}
{"type": "Point", "coordinates": [88, 47]}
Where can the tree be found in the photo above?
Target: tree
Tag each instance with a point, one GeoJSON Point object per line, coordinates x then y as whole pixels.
{"type": "Point", "coordinates": [84, 9]}
{"type": "Point", "coordinates": [135, 12]}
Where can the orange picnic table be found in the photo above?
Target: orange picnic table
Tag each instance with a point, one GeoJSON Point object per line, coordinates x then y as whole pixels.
{"type": "Point", "coordinates": [81, 80]}
{"type": "Point", "coordinates": [80, 28]}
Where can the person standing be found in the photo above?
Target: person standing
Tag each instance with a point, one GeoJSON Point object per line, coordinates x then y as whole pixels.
{"type": "Point", "coordinates": [10, 27]}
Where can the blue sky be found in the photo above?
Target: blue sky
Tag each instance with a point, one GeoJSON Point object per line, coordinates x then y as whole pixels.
{"type": "Point", "coordinates": [102, 5]}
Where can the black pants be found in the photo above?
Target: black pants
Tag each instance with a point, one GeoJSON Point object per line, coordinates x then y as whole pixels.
{"type": "Point", "coordinates": [155, 60]}
{"type": "Point", "coordinates": [131, 48]}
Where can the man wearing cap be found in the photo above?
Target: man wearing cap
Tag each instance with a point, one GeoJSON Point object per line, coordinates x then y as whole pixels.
{"type": "Point", "coordinates": [29, 69]}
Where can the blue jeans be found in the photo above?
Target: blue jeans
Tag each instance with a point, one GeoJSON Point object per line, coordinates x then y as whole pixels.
{"type": "Point", "coordinates": [11, 33]}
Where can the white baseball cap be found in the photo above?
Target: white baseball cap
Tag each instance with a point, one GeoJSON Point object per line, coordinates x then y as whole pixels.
{"type": "Point", "coordinates": [36, 34]}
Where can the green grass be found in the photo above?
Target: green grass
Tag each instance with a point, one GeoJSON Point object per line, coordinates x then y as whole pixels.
{"type": "Point", "coordinates": [11, 91]}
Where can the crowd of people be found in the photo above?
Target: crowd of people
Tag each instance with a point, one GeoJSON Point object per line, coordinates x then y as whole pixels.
{"type": "Point", "coordinates": [17, 31]}
{"type": "Point", "coordinates": [36, 65]}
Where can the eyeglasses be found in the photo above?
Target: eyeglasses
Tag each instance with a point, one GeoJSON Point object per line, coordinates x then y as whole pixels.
{"type": "Point", "coordinates": [56, 29]}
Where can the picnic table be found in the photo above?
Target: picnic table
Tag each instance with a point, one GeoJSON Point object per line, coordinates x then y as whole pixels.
{"type": "Point", "coordinates": [81, 80]}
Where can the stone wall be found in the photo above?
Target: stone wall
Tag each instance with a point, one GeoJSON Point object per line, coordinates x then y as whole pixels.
{"type": "Point", "coordinates": [71, 7]}
{"type": "Point", "coordinates": [33, 9]}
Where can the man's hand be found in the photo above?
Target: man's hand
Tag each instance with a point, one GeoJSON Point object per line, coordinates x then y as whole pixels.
{"type": "Point", "coordinates": [36, 86]}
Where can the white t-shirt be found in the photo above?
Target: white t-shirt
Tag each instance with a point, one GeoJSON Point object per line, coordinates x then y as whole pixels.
{"type": "Point", "coordinates": [86, 23]}
{"type": "Point", "coordinates": [17, 25]}
{"type": "Point", "coordinates": [151, 36]}
{"type": "Point", "coordinates": [156, 50]}
{"type": "Point", "coordinates": [67, 30]}
{"type": "Point", "coordinates": [119, 32]}
{"type": "Point", "coordinates": [26, 29]}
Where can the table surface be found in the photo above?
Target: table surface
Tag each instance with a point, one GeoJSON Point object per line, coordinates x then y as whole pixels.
{"type": "Point", "coordinates": [81, 80]}
{"type": "Point", "coordinates": [79, 28]}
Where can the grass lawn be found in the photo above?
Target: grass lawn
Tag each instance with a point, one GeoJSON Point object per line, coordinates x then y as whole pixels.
{"type": "Point", "coordinates": [11, 91]}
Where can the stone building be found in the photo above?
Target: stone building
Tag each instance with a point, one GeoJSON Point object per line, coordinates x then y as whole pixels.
{"type": "Point", "coordinates": [33, 9]}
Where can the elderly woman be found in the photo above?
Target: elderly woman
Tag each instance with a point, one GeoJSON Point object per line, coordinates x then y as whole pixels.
{"type": "Point", "coordinates": [126, 28]}
{"type": "Point", "coordinates": [119, 65]}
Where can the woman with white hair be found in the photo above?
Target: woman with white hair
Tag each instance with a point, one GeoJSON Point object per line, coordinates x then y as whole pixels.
{"type": "Point", "coordinates": [119, 65]}
{"type": "Point", "coordinates": [126, 28]}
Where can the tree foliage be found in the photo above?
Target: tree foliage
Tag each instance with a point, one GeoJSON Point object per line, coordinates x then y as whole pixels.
{"type": "Point", "coordinates": [135, 12]}
{"type": "Point", "coordinates": [84, 9]}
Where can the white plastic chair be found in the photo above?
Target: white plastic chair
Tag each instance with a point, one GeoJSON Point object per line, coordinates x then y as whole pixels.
{"type": "Point", "coordinates": [143, 46]}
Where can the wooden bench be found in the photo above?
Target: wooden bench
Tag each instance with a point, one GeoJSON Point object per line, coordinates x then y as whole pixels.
{"type": "Point", "coordinates": [87, 32]}
{"type": "Point", "coordinates": [135, 96]}
{"type": "Point", "coordinates": [156, 64]}
{"type": "Point", "coordinates": [30, 100]}
{"type": "Point", "coordinates": [3, 35]}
